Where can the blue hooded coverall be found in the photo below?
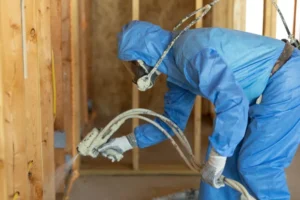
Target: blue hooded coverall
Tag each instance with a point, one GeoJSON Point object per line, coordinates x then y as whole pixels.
{"type": "Point", "coordinates": [232, 69]}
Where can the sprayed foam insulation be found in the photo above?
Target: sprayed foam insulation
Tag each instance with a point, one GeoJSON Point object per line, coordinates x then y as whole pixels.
{"type": "Point", "coordinates": [111, 85]}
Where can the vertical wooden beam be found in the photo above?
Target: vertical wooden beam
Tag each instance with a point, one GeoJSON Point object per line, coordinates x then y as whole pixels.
{"type": "Point", "coordinates": [135, 92]}
{"type": "Point", "coordinates": [220, 14]}
{"type": "Point", "coordinates": [66, 65]}
{"type": "Point", "coordinates": [198, 106]}
{"type": "Point", "coordinates": [75, 79]}
{"type": "Point", "coordinates": [295, 18]}
{"type": "Point", "coordinates": [4, 180]}
{"type": "Point", "coordinates": [88, 11]}
{"type": "Point", "coordinates": [296, 30]}
{"type": "Point", "coordinates": [270, 14]}
{"type": "Point", "coordinates": [83, 61]}
{"type": "Point", "coordinates": [33, 102]}
{"type": "Point", "coordinates": [235, 15]}
{"type": "Point", "coordinates": [46, 91]}
{"type": "Point", "coordinates": [72, 85]}
{"type": "Point", "coordinates": [13, 158]}
{"type": "Point", "coordinates": [238, 16]}
{"type": "Point", "coordinates": [205, 22]}
{"type": "Point", "coordinates": [56, 39]}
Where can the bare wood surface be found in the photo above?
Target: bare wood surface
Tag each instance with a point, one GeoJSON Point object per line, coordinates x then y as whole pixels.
{"type": "Point", "coordinates": [75, 79]}
{"type": "Point", "coordinates": [270, 15]}
{"type": "Point", "coordinates": [46, 90]}
{"type": "Point", "coordinates": [297, 20]}
{"type": "Point", "coordinates": [56, 40]}
{"type": "Point", "coordinates": [135, 92]}
{"type": "Point", "coordinates": [83, 40]}
{"type": "Point", "coordinates": [33, 104]}
{"type": "Point", "coordinates": [198, 106]}
{"type": "Point", "coordinates": [13, 158]}
{"type": "Point", "coordinates": [66, 65]}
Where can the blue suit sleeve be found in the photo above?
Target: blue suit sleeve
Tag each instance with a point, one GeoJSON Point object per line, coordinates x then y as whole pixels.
{"type": "Point", "coordinates": [178, 104]}
{"type": "Point", "coordinates": [217, 83]}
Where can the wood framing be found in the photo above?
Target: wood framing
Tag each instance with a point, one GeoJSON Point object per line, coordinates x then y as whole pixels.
{"type": "Point", "coordinates": [83, 39]}
{"type": "Point", "coordinates": [71, 70]}
{"type": "Point", "coordinates": [269, 27]}
{"type": "Point", "coordinates": [296, 31]}
{"type": "Point", "coordinates": [198, 106]}
{"type": "Point", "coordinates": [44, 60]}
{"type": "Point", "coordinates": [56, 39]}
{"type": "Point", "coordinates": [58, 83]}
{"type": "Point", "coordinates": [238, 16]}
{"type": "Point", "coordinates": [27, 159]}
{"type": "Point", "coordinates": [75, 79]}
{"type": "Point", "coordinates": [66, 65]}
{"type": "Point", "coordinates": [13, 140]}
{"type": "Point", "coordinates": [135, 93]}
{"type": "Point", "coordinates": [4, 181]}
{"type": "Point", "coordinates": [295, 17]}
{"type": "Point", "coordinates": [32, 99]}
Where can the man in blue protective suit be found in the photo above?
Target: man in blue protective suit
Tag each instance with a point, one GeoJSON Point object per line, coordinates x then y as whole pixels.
{"type": "Point", "coordinates": [251, 142]}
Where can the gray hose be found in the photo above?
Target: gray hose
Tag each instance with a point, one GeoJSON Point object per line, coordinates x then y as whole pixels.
{"type": "Point", "coordinates": [189, 158]}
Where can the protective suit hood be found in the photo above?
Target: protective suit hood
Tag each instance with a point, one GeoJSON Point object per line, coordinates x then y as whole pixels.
{"type": "Point", "coordinates": [145, 41]}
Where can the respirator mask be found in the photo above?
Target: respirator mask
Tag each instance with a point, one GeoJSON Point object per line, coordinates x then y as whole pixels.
{"type": "Point", "coordinates": [139, 71]}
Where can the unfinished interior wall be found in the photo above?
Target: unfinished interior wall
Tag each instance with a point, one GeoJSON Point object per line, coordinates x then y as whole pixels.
{"type": "Point", "coordinates": [112, 92]}
{"type": "Point", "coordinates": [111, 85]}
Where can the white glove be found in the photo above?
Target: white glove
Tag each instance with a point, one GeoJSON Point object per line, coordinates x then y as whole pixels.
{"type": "Point", "coordinates": [213, 169]}
{"type": "Point", "coordinates": [115, 148]}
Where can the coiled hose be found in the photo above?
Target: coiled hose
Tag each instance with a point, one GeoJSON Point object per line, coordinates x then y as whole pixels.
{"type": "Point", "coordinates": [186, 153]}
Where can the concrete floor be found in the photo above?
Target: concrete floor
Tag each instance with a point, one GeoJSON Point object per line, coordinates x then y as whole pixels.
{"type": "Point", "coordinates": [148, 187]}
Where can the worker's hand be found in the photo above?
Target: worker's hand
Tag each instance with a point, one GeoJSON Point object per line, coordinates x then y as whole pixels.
{"type": "Point", "coordinates": [213, 169]}
{"type": "Point", "coordinates": [115, 148]}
